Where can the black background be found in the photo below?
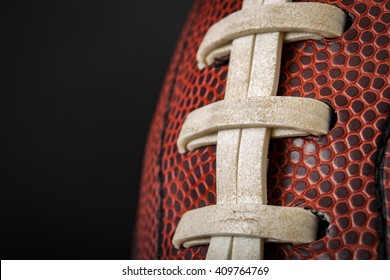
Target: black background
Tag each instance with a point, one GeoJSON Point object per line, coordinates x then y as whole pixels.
{"type": "Point", "coordinates": [80, 85]}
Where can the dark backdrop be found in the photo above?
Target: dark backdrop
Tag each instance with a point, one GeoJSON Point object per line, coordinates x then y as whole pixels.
{"type": "Point", "coordinates": [80, 85]}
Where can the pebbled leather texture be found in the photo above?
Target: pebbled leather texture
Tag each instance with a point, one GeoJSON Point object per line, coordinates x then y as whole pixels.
{"type": "Point", "coordinates": [336, 174]}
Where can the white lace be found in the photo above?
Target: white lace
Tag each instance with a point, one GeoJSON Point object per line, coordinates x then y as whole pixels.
{"type": "Point", "coordinates": [244, 122]}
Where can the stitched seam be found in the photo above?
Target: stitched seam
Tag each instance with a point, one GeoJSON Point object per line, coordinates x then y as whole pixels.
{"type": "Point", "coordinates": [246, 95]}
{"type": "Point", "coordinates": [380, 192]}
{"type": "Point", "coordinates": [237, 161]}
